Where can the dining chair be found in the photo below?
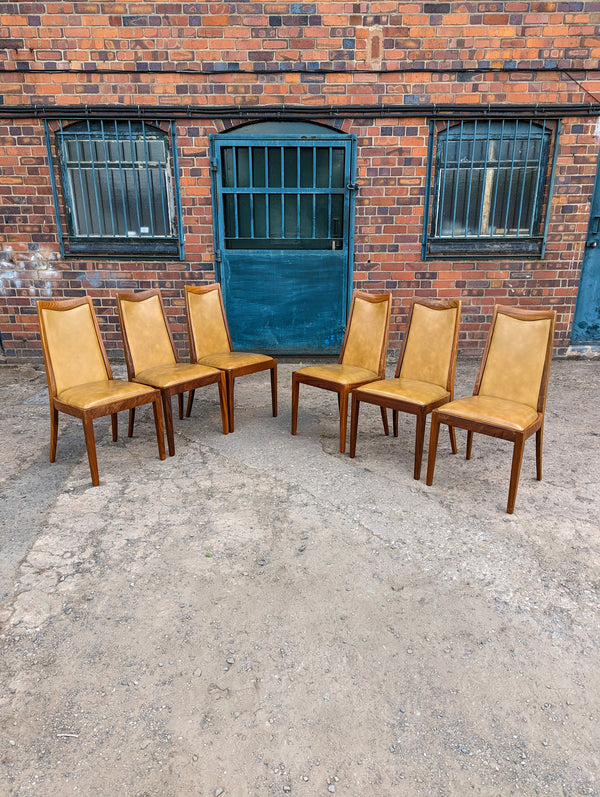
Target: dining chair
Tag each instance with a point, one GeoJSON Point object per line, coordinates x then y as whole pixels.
{"type": "Point", "coordinates": [152, 359]}
{"type": "Point", "coordinates": [424, 376]}
{"type": "Point", "coordinates": [80, 380]}
{"type": "Point", "coordinates": [509, 397]}
{"type": "Point", "coordinates": [210, 344]}
{"type": "Point", "coordinates": [361, 360]}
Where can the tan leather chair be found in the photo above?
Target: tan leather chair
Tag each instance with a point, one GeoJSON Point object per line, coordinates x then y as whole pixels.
{"type": "Point", "coordinates": [152, 359]}
{"type": "Point", "coordinates": [361, 360]}
{"type": "Point", "coordinates": [509, 397]}
{"type": "Point", "coordinates": [210, 344]}
{"type": "Point", "coordinates": [424, 375]}
{"type": "Point", "coordinates": [80, 381]}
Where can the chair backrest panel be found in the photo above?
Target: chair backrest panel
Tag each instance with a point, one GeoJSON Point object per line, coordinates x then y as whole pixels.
{"type": "Point", "coordinates": [428, 350]}
{"type": "Point", "coordinates": [516, 359]}
{"type": "Point", "coordinates": [73, 349]}
{"type": "Point", "coordinates": [207, 324]}
{"type": "Point", "coordinates": [147, 334]}
{"type": "Point", "coordinates": [367, 334]}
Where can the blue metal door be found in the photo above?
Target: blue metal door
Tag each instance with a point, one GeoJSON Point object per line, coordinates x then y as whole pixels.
{"type": "Point", "coordinates": [586, 325]}
{"type": "Point", "coordinates": [283, 206]}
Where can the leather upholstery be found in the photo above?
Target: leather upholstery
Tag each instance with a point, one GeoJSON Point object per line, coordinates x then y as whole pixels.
{"type": "Point", "coordinates": [414, 391]}
{"type": "Point", "coordinates": [227, 360]}
{"type": "Point", "coordinates": [95, 394]}
{"type": "Point", "coordinates": [341, 374]}
{"type": "Point", "coordinates": [489, 409]}
{"type": "Point", "coordinates": [515, 361]}
{"type": "Point", "coordinates": [147, 334]}
{"type": "Point", "coordinates": [73, 347]}
{"type": "Point", "coordinates": [429, 345]}
{"type": "Point", "coordinates": [173, 374]}
{"type": "Point", "coordinates": [366, 335]}
{"type": "Point", "coordinates": [207, 323]}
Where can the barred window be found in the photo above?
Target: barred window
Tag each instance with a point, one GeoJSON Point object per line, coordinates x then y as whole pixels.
{"type": "Point", "coordinates": [119, 188]}
{"type": "Point", "coordinates": [490, 189]}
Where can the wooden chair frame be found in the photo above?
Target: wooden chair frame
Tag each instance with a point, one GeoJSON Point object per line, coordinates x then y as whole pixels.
{"type": "Point", "coordinates": [232, 372]}
{"type": "Point", "coordinates": [343, 390]}
{"type": "Point", "coordinates": [180, 387]}
{"type": "Point", "coordinates": [108, 407]}
{"type": "Point", "coordinates": [517, 437]}
{"type": "Point", "coordinates": [398, 405]}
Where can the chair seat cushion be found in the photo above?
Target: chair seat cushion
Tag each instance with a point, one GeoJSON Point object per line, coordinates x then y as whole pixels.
{"type": "Point", "coordinates": [340, 374]}
{"type": "Point", "coordinates": [496, 411]}
{"type": "Point", "coordinates": [173, 373]}
{"type": "Point", "coordinates": [410, 390]}
{"type": "Point", "coordinates": [95, 394]}
{"type": "Point", "coordinates": [229, 360]}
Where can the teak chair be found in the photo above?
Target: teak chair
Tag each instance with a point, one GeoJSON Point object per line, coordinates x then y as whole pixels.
{"type": "Point", "coordinates": [424, 375]}
{"type": "Point", "coordinates": [210, 344]}
{"type": "Point", "coordinates": [509, 397]}
{"type": "Point", "coordinates": [152, 358]}
{"type": "Point", "coordinates": [362, 358]}
{"type": "Point", "coordinates": [80, 380]}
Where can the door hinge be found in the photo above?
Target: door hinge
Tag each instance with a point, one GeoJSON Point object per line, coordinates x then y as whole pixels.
{"type": "Point", "coordinates": [218, 257]}
{"type": "Point", "coordinates": [213, 165]}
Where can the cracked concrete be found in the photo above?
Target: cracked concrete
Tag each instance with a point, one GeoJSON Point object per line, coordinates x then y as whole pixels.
{"type": "Point", "coordinates": [262, 615]}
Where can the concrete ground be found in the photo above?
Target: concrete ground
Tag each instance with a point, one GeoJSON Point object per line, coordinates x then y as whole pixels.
{"type": "Point", "coordinates": [260, 615]}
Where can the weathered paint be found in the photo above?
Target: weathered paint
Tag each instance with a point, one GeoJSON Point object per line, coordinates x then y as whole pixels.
{"type": "Point", "coordinates": [586, 324]}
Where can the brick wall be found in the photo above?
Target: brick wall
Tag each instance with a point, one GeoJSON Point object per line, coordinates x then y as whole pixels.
{"type": "Point", "coordinates": [334, 62]}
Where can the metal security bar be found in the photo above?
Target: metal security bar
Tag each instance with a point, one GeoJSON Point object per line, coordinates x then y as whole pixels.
{"type": "Point", "coordinates": [489, 187]}
{"type": "Point", "coordinates": [285, 197]}
{"type": "Point", "coordinates": [117, 182]}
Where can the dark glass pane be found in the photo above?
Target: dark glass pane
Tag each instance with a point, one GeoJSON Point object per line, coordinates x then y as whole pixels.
{"type": "Point", "coordinates": [227, 167]}
{"type": "Point", "coordinates": [275, 229]}
{"type": "Point", "coordinates": [322, 216]}
{"type": "Point", "coordinates": [290, 167]}
{"type": "Point", "coordinates": [274, 167]}
{"type": "Point", "coordinates": [260, 216]}
{"type": "Point", "coordinates": [259, 177]}
{"type": "Point", "coordinates": [306, 167]}
{"type": "Point", "coordinates": [244, 219]}
{"type": "Point", "coordinates": [291, 216]}
{"type": "Point", "coordinates": [337, 216]}
{"type": "Point", "coordinates": [337, 167]}
{"type": "Point", "coordinates": [322, 156]}
{"type": "Point", "coordinates": [229, 215]}
{"type": "Point", "coordinates": [306, 215]}
{"type": "Point", "coordinates": [243, 167]}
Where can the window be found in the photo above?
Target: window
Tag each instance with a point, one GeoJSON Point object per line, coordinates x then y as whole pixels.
{"type": "Point", "coordinates": [490, 189]}
{"type": "Point", "coordinates": [118, 188]}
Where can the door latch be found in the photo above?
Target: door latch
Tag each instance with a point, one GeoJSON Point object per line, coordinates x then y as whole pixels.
{"type": "Point", "coordinates": [352, 186]}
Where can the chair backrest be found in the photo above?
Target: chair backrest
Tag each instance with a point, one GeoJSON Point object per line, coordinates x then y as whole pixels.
{"type": "Point", "coordinates": [367, 332]}
{"type": "Point", "coordinates": [146, 336]}
{"type": "Point", "coordinates": [73, 350]}
{"type": "Point", "coordinates": [207, 324]}
{"type": "Point", "coordinates": [516, 360]}
{"type": "Point", "coordinates": [430, 344]}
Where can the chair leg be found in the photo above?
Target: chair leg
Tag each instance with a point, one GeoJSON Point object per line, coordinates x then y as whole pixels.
{"type": "Point", "coordinates": [168, 413]}
{"type": "Point", "coordinates": [158, 423]}
{"type": "Point", "coordinates": [539, 439]}
{"type": "Point", "coordinates": [223, 403]}
{"type": "Point", "coordinates": [90, 444]}
{"type": "Point", "coordinates": [469, 444]}
{"type": "Point", "coordinates": [131, 422]}
{"type": "Point", "coordinates": [190, 401]}
{"type": "Point", "coordinates": [384, 420]}
{"type": "Point", "coordinates": [354, 425]}
{"type": "Point", "coordinates": [452, 432]}
{"type": "Point", "coordinates": [343, 400]}
{"type": "Point", "coordinates": [274, 389]}
{"type": "Point", "coordinates": [53, 431]}
{"type": "Point", "coordinates": [419, 439]}
{"type": "Point", "coordinates": [115, 427]}
{"type": "Point", "coordinates": [395, 422]}
{"type": "Point", "coordinates": [515, 472]}
{"type": "Point", "coordinates": [180, 403]}
{"type": "Point", "coordinates": [433, 441]}
{"type": "Point", "coordinates": [295, 396]}
{"type": "Point", "coordinates": [230, 399]}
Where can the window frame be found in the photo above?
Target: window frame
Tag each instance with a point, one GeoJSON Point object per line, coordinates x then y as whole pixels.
{"type": "Point", "coordinates": [504, 243]}
{"type": "Point", "coordinates": [99, 242]}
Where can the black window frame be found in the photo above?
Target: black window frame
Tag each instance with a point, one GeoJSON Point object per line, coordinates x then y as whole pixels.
{"type": "Point", "coordinates": [495, 160]}
{"type": "Point", "coordinates": [120, 188]}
